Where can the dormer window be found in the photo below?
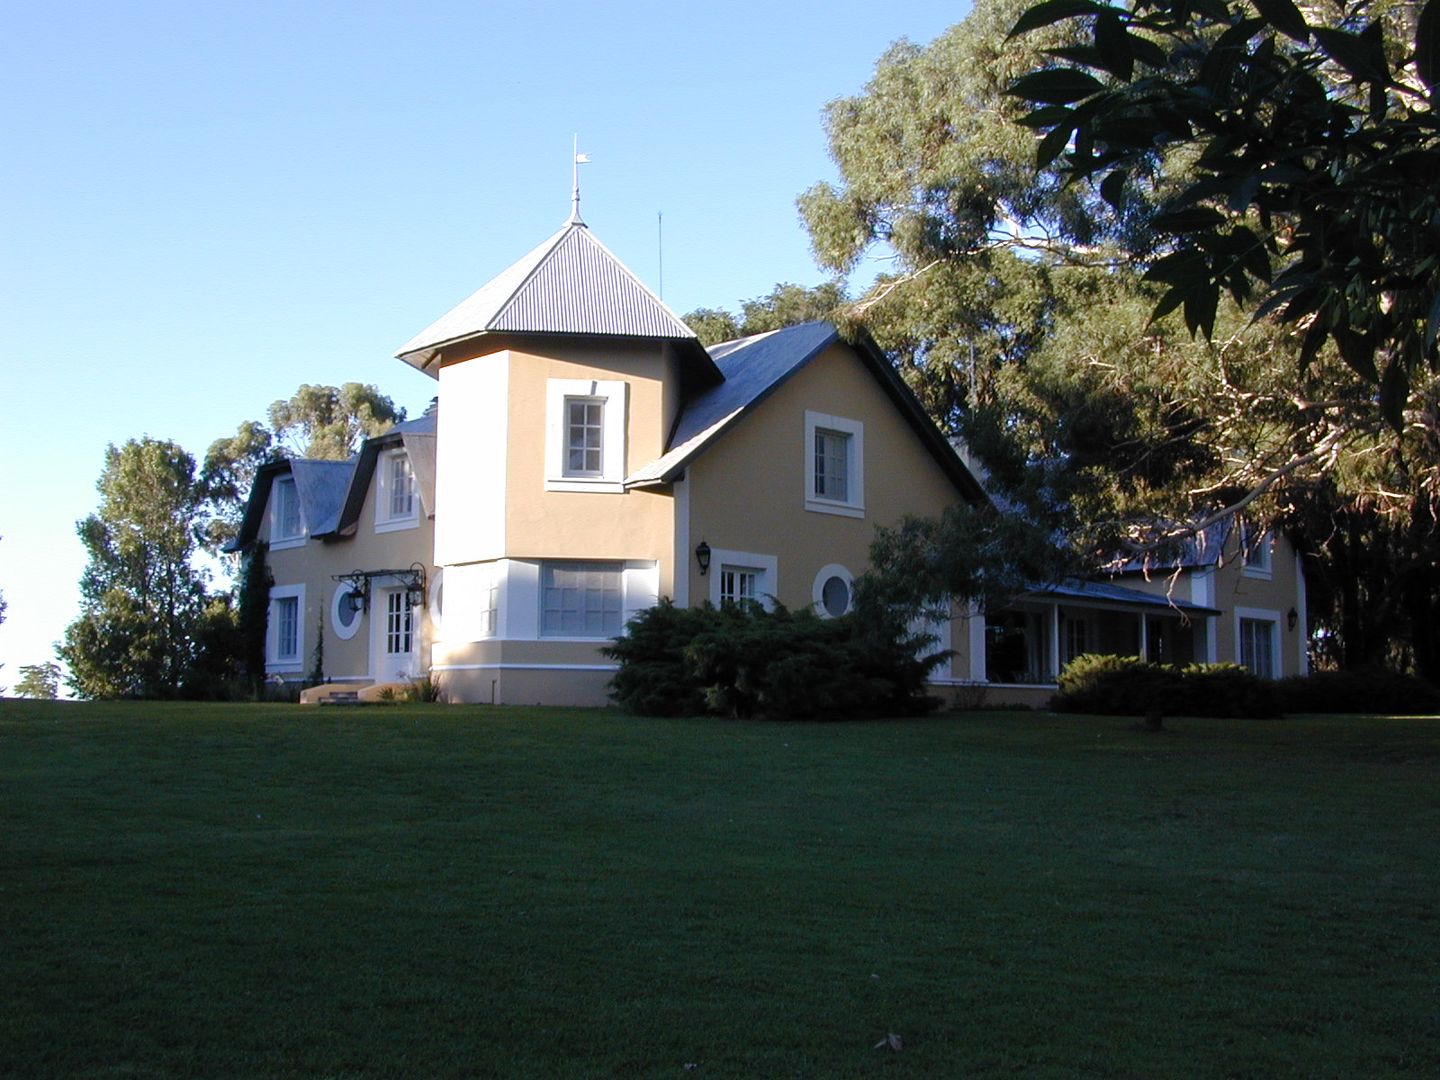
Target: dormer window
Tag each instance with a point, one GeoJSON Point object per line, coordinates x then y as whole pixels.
{"type": "Point", "coordinates": [585, 435]}
{"type": "Point", "coordinates": [287, 527]}
{"type": "Point", "coordinates": [397, 502]}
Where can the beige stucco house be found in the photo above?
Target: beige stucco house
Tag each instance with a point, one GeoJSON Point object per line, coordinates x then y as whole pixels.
{"type": "Point", "coordinates": [588, 456]}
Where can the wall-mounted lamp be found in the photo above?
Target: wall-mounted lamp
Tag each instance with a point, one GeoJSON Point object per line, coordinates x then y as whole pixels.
{"type": "Point", "coordinates": [1292, 618]}
{"type": "Point", "coordinates": [702, 556]}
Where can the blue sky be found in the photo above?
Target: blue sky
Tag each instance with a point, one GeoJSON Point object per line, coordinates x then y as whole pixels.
{"type": "Point", "coordinates": [205, 205]}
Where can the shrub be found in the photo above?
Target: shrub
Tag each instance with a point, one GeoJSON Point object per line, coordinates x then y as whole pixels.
{"type": "Point", "coordinates": [744, 661]}
{"type": "Point", "coordinates": [1361, 690]}
{"type": "Point", "coordinates": [1129, 686]}
{"type": "Point", "coordinates": [1117, 685]}
{"type": "Point", "coordinates": [1226, 690]}
{"type": "Point", "coordinates": [425, 689]}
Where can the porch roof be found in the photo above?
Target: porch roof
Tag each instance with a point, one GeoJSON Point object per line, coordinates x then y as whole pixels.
{"type": "Point", "coordinates": [1110, 595]}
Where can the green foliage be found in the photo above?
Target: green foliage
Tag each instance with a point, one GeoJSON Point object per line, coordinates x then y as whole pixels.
{"type": "Point", "coordinates": [317, 659]}
{"type": "Point", "coordinates": [1130, 686]}
{"type": "Point", "coordinates": [1312, 149]}
{"type": "Point", "coordinates": [327, 421]}
{"type": "Point", "coordinates": [212, 674]}
{"type": "Point", "coordinates": [1368, 690]}
{"type": "Point", "coordinates": [253, 614]}
{"type": "Point", "coordinates": [745, 661]}
{"type": "Point", "coordinates": [785, 305]}
{"type": "Point", "coordinates": [141, 596]}
{"type": "Point", "coordinates": [39, 681]}
{"type": "Point", "coordinates": [966, 553]}
{"type": "Point", "coordinates": [425, 689]}
{"type": "Point", "coordinates": [226, 477]}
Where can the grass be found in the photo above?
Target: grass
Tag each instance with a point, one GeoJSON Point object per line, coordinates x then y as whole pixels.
{"type": "Point", "coordinates": [263, 891]}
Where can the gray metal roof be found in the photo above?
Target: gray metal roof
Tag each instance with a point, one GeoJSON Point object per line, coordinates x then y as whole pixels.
{"type": "Point", "coordinates": [752, 367]}
{"type": "Point", "coordinates": [322, 486]}
{"type": "Point", "coordinates": [1107, 593]}
{"type": "Point", "coordinates": [570, 284]}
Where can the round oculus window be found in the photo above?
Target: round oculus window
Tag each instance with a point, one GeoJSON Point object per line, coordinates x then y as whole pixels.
{"type": "Point", "coordinates": [345, 612]}
{"type": "Point", "coordinates": [835, 596]}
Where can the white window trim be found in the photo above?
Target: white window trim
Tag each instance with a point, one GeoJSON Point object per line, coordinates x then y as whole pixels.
{"type": "Point", "coordinates": [343, 632]}
{"type": "Point", "coordinates": [383, 521]}
{"type": "Point", "coordinates": [272, 630]}
{"type": "Point", "coordinates": [279, 542]}
{"type": "Point", "coordinates": [1264, 570]}
{"type": "Point", "coordinates": [817, 590]}
{"type": "Point", "coordinates": [614, 393]}
{"type": "Point", "coordinates": [433, 607]}
{"type": "Point", "coordinates": [768, 565]}
{"type": "Point", "coordinates": [1274, 618]}
{"type": "Point", "coordinates": [854, 504]}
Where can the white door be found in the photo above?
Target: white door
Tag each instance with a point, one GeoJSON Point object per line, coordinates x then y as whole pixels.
{"type": "Point", "coordinates": [395, 629]}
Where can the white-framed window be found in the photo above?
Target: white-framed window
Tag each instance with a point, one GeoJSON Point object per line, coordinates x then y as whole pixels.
{"type": "Point", "coordinates": [287, 525]}
{"type": "Point", "coordinates": [739, 584]}
{"type": "Point", "coordinates": [397, 497]}
{"type": "Point", "coordinates": [399, 623]}
{"type": "Point", "coordinates": [488, 611]}
{"type": "Point", "coordinates": [581, 599]}
{"type": "Point", "coordinates": [834, 465]}
{"type": "Point", "coordinates": [1257, 641]}
{"type": "Point", "coordinates": [585, 435]}
{"type": "Point", "coordinates": [833, 591]}
{"type": "Point", "coordinates": [1255, 553]}
{"type": "Point", "coordinates": [346, 611]}
{"type": "Point", "coordinates": [285, 631]}
{"type": "Point", "coordinates": [742, 575]}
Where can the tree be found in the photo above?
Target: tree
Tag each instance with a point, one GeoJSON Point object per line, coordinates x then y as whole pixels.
{"type": "Point", "coordinates": [327, 422]}
{"type": "Point", "coordinates": [41, 681]}
{"type": "Point", "coordinates": [324, 422]}
{"type": "Point", "coordinates": [1311, 148]}
{"type": "Point", "coordinates": [141, 596]}
{"type": "Point", "coordinates": [1019, 311]}
{"type": "Point", "coordinates": [785, 305]}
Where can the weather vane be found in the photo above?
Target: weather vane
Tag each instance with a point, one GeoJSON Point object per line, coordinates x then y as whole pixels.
{"type": "Point", "coordinates": [580, 159]}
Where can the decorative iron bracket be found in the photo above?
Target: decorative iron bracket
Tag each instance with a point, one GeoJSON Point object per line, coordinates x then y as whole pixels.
{"type": "Point", "coordinates": [412, 579]}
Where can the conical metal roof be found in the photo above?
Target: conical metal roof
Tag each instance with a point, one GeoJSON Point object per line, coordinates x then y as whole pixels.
{"type": "Point", "coordinates": [570, 284]}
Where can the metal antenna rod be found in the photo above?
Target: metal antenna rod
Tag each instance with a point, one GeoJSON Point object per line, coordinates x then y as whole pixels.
{"type": "Point", "coordinates": [660, 246]}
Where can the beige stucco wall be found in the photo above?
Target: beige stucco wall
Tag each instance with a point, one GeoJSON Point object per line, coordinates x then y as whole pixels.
{"type": "Point", "coordinates": [598, 524]}
{"type": "Point", "coordinates": [313, 565]}
{"type": "Point", "coordinates": [747, 491]}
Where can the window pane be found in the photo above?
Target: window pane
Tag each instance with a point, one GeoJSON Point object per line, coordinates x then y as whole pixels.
{"type": "Point", "coordinates": [581, 599]}
{"type": "Point", "coordinates": [584, 431]}
{"type": "Point", "coordinates": [402, 487]}
{"type": "Point", "coordinates": [287, 628]}
{"type": "Point", "coordinates": [832, 465]}
{"type": "Point", "coordinates": [835, 596]}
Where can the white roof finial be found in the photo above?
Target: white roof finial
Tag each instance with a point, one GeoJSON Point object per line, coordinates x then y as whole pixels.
{"type": "Point", "coordinates": [580, 159]}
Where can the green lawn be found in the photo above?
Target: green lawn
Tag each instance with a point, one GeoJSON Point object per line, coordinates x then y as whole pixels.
{"type": "Point", "coordinates": [255, 891]}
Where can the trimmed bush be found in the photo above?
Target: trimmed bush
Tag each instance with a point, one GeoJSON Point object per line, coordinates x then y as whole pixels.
{"type": "Point", "coordinates": [1362, 690]}
{"type": "Point", "coordinates": [1129, 686]}
{"type": "Point", "coordinates": [744, 661]}
{"type": "Point", "coordinates": [1116, 685]}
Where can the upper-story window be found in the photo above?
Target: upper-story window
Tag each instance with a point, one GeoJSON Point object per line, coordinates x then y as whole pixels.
{"type": "Point", "coordinates": [834, 465]}
{"type": "Point", "coordinates": [585, 435]}
{"type": "Point", "coordinates": [287, 527]}
{"type": "Point", "coordinates": [397, 501]}
{"type": "Point", "coordinates": [1255, 550]}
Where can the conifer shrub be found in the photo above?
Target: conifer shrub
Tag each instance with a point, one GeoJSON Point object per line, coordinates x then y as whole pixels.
{"type": "Point", "coordinates": [746, 661]}
{"type": "Point", "coordinates": [1129, 686]}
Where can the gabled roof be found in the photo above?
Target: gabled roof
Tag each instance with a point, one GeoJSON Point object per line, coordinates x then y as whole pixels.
{"type": "Point", "coordinates": [570, 284]}
{"type": "Point", "coordinates": [418, 438]}
{"type": "Point", "coordinates": [755, 367]}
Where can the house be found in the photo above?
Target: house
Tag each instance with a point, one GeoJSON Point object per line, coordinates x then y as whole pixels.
{"type": "Point", "coordinates": [588, 456]}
